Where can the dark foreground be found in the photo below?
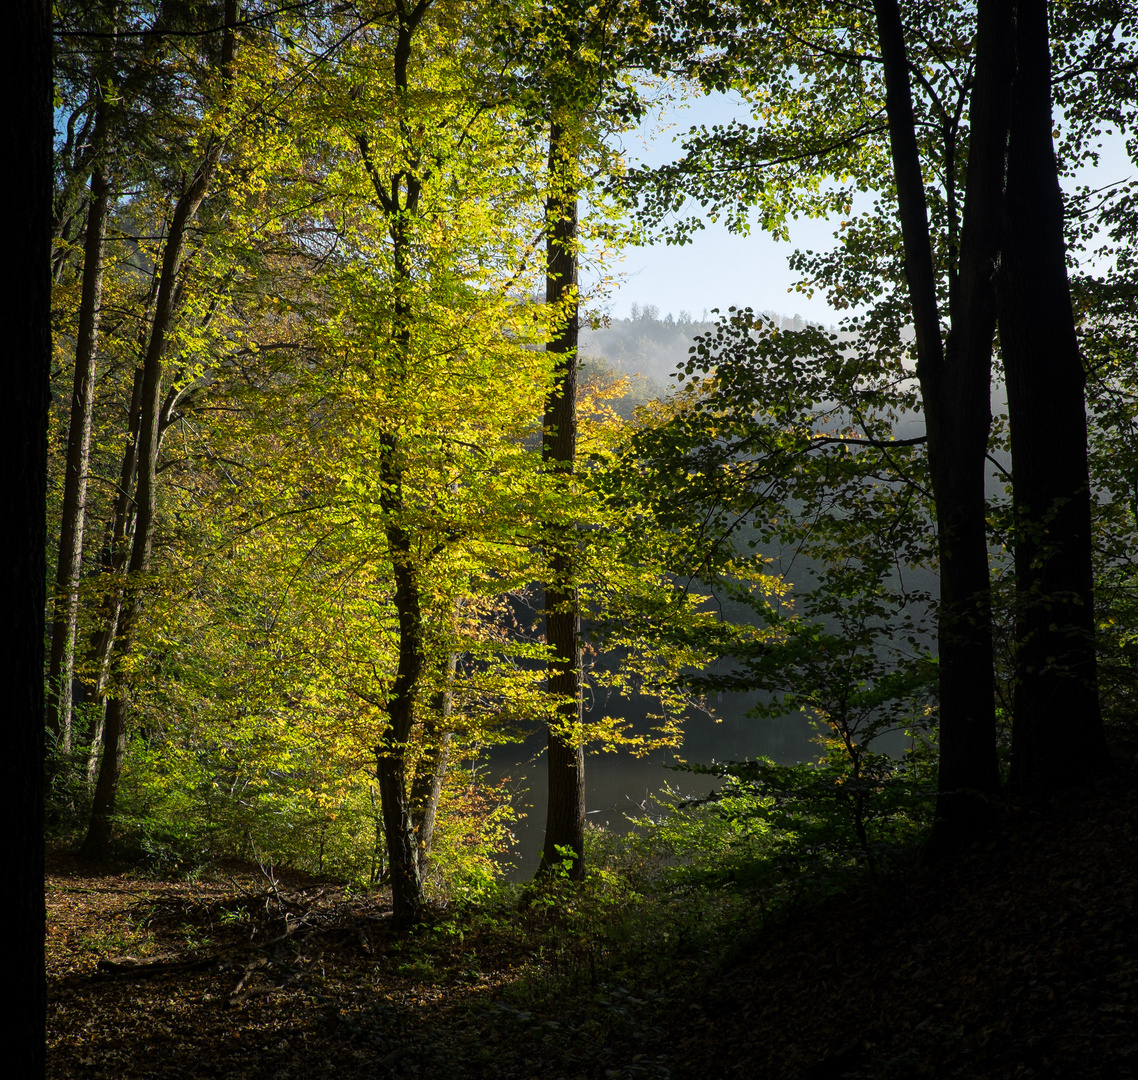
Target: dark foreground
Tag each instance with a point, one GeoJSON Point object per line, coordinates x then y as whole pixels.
{"type": "Point", "coordinates": [1020, 961]}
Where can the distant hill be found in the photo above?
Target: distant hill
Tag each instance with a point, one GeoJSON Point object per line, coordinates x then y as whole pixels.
{"type": "Point", "coordinates": [653, 347]}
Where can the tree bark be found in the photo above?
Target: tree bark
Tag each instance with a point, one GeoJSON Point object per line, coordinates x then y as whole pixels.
{"type": "Point", "coordinates": [391, 753]}
{"type": "Point", "coordinates": [115, 556]}
{"type": "Point", "coordinates": [113, 740]}
{"type": "Point", "coordinates": [25, 198]}
{"type": "Point", "coordinates": [431, 771]}
{"type": "Point", "coordinates": [565, 815]}
{"type": "Point", "coordinates": [398, 195]}
{"type": "Point", "coordinates": [61, 666]}
{"type": "Point", "coordinates": [1057, 733]}
{"type": "Point", "coordinates": [955, 385]}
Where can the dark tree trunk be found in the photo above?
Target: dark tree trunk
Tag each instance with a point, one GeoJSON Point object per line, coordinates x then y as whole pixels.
{"type": "Point", "coordinates": [565, 818]}
{"type": "Point", "coordinates": [25, 196]}
{"type": "Point", "coordinates": [116, 556]}
{"type": "Point", "coordinates": [127, 608]}
{"type": "Point", "coordinates": [398, 195]}
{"type": "Point", "coordinates": [1057, 734]}
{"type": "Point", "coordinates": [62, 662]}
{"type": "Point", "coordinates": [99, 829]}
{"type": "Point", "coordinates": [391, 753]}
{"type": "Point", "coordinates": [955, 384]}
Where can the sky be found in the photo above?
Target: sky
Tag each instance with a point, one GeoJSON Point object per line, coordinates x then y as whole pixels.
{"type": "Point", "coordinates": [719, 269]}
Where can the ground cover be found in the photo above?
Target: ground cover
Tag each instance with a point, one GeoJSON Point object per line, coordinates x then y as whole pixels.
{"type": "Point", "coordinates": [1018, 960]}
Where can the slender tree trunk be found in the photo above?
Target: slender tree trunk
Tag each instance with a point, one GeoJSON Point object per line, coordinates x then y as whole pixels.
{"type": "Point", "coordinates": [25, 206]}
{"type": "Point", "coordinates": [955, 384]}
{"type": "Point", "coordinates": [391, 753]}
{"type": "Point", "coordinates": [431, 772]}
{"type": "Point", "coordinates": [125, 608]}
{"type": "Point", "coordinates": [99, 829]}
{"type": "Point", "coordinates": [1057, 734]}
{"type": "Point", "coordinates": [116, 555]}
{"type": "Point", "coordinates": [61, 666]}
{"type": "Point", "coordinates": [398, 196]}
{"type": "Point", "coordinates": [565, 816]}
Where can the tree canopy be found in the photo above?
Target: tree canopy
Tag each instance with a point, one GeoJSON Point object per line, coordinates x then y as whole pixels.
{"type": "Point", "coordinates": [332, 508]}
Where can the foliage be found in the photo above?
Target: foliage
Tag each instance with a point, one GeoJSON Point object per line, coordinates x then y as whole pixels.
{"type": "Point", "coordinates": [672, 982]}
{"type": "Point", "coordinates": [783, 448]}
{"type": "Point", "coordinates": [352, 403]}
{"type": "Point", "coordinates": [342, 374]}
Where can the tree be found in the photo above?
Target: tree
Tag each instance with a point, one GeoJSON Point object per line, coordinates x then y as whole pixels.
{"type": "Point", "coordinates": [420, 377]}
{"type": "Point", "coordinates": [955, 382]}
{"type": "Point", "coordinates": [565, 814]}
{"type": "Point", "coordinates": [825, 64]}
{"type": "Point", "coordinates": [944, 78]}
{"type": "Point", "coordinates": [61, 666]}
{"type": "Point", "coordinates": [575, 59]}
{"type": "Point", "coordinates": [27, 82]}
{"type": "Point", "coordinates": [117, 92]}
{"type": "Point", "coordinates": [1057, 734]}
{"type": "Point", "coordinates": [152, 410]}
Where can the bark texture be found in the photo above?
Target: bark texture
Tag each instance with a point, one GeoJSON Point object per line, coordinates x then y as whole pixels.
{"type": "Point", "coordinates": [1057, 734]}
{"type": "Point", "coordinates": [565, 816]}
{"type": "Point", "coordinates": [391, 753]}
{"type": "Point", "coordinates": [955, 385]}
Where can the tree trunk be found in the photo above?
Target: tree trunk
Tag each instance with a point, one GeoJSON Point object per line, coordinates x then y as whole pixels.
{"type": "Point", "coordinates": [99, 829]}
{"type": "Point", "coordinates": [62, 661]}
{"type": "Point", "coordinates": [127, 606]}
{"type": "Point", "coordinates": [1057, 734]}
{"type": "Point", "coordinates": [116, 555]}
{"type": "Point", "coordinates": [565, 816]}
{"type": "Point", "coordinates": [25, 186]}
{"type": "Point", "coordinates": [955, 385]}
{"type": "Point", "coordinates": [398, 195]}
{"type": "Point", "coordinates": [391, 753]}
{"type": "Point", "coordinates": [432, 767]}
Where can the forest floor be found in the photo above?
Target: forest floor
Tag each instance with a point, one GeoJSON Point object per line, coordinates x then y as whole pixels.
{"type": "Point", "coordinates": [1018, 960]}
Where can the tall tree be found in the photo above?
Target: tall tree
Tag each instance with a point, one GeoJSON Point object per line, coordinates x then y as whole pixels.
{"type": "Point", "coordinates": [102, 102]}
{"type": "Point", "coordinates": [955, 382]}
{"type": "Point", "coordinates": [429, 323]}
{"type": "Point", "coordinates": [398, 194]}
{"type": "Point", "coordinates": [1057, 735]}
{"type": "Point", "coordinates": [154, 409]}
{"type": "Point", "coordinates": [575, 60]}
{"type": "Point", "coordinates": [27, 210]}
{"type": "Point", "coordinates": [565, 813]}
{"type": "Point", "coordinates": [946, 76]}
{"type": "Point", "coordinates": [828, 84]}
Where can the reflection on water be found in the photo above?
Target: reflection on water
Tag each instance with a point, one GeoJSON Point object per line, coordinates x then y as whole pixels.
{"type": "Point", "coordinates": [620, 786]}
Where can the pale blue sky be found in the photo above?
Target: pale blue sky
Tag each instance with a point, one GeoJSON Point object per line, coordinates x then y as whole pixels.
{"type": "Point", "coordinates": [719, 269]}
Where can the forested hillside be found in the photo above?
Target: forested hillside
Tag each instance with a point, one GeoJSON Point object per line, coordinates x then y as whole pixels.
{"type": "Point", "coordinates": [653, 347]}
{"type": "Point", "coordinates": [349, 482]}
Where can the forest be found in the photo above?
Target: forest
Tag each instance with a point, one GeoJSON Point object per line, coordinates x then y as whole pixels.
{"type": "Point", "coordinates": [349, 478]}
